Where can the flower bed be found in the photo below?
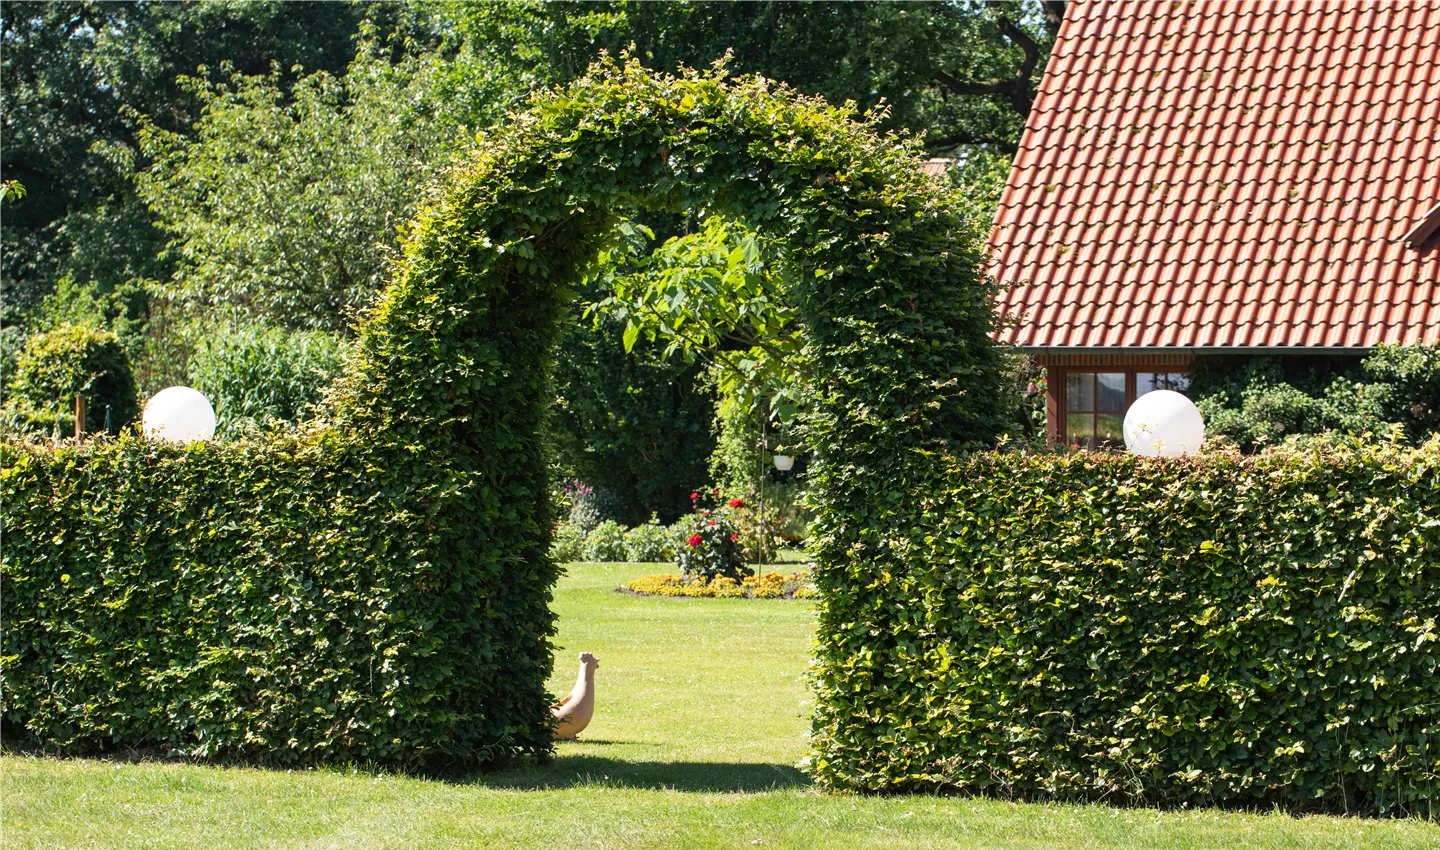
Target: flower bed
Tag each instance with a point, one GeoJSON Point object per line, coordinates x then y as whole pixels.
{"type": "Point", "coordinates": [765, 586]}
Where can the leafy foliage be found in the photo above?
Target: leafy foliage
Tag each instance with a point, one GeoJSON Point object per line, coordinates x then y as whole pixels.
{"type": "Point", "coordinates": [12, 341]}
{"type": "Point", "coordinates": [632, 424]}
{"type": "Point", "coordinates": [567, 543]}
{"type": "Point", "coordinates": [711, 295]}
{"type": "Point", "coordinates": [312, 597]}
{"type": "Point", "coordinates": [282, 203]}
{"type": "Point", "coordinates": [1265, 401]}
{"type": "Point", "coordinates": [1413, 374]}
{"type": "Point", "coordinates": [78, 75]}
{"type": "Point", "coordinates": [605, 542]}
{"type": "Point", "coordinates": [62, 363]}
{"type": "Point", "coordinates": [261, 377]}
{"type": "Point", "coordinates": [649, 542]}
{"type": "Point", "coordinates": [1220, 629]}
{"type": "Point", "coordinates": [958, 73]}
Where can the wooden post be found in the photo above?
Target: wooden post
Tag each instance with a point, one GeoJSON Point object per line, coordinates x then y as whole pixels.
{"type": "Point", "coordinates": [79, 416]}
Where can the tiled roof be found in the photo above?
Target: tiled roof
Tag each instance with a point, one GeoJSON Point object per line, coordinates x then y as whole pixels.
{"type": "Point", "coordinates": [1228, 175]}
{"type": "Point", "coordinates": [936, 166]}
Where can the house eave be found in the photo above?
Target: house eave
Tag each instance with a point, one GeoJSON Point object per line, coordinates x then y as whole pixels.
{"type": "Point", "coordinates": [1318, 351]}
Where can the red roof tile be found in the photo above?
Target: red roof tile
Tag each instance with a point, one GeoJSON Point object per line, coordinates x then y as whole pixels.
{"type": "Point", "coordinates": [1228, 174]}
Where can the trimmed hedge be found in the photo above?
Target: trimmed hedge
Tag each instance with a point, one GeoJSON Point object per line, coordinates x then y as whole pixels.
{"type": "Point", "coordinates": [295, 600]}
{"type": "Point", "coordinates": [1214, 630]}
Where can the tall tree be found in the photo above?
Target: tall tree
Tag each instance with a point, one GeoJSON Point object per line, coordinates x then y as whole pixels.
{"type": "Point", "coordinates": [956, 72]}
{"type": "Point", "coordinates": [75, 77]}
{"type": "Point", "coordinates": [284, 205]}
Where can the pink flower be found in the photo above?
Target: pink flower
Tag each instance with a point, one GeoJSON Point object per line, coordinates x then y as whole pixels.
{"type": "Point", "coordinates": [694, 497]}
{"type": "Point", "coordinates": [734, 538]}
{"type": "Point", "coordinates": [696, 540]}
{"type": "Point", "coordinates": [736, 503]}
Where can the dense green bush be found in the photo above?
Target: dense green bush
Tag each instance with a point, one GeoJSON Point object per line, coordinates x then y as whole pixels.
{"type": "Point", "coordinates": [649, 542]}
{"type": "Point", "coordinates": [1413, 374]}
{"type": "Point", "coordinates": [567, 543]}
{"type": "Point", "coordinates": [262, 376]}
{"type": "Point", "coordinates": [1241, 630]}
{"type": "Point", "coordinates": [60, 364]}
{"type": "Point", "coordinates": [12, 342]}
{"type": "Point", "coordinates": [605, 542]}
{"type": "Point", "coordinates": [631, 424]}
{"type": "Point", "coordinates": [295, 600]}
{"type": "Point", "coordinates": [1260, 402]}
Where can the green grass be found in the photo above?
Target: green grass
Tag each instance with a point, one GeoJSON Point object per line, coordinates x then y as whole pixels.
{"type": "Point", "coordinates": [701, 718]}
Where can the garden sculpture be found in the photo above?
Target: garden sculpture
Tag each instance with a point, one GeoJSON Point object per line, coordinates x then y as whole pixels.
{"type": "Point", "coordinates": [574, 711]}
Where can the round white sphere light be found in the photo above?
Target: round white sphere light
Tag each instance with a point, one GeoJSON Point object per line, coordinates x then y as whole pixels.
{"type": "Point", "coordinates": [1164, 423]}
{"type": "Point", "coordinates": [179, 413]}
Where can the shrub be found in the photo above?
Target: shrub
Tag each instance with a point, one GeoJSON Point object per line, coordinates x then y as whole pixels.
{"type": "Point", "coordinates": [283, 600]}
{"type": "Point", "coordinates": [59, 364]}
{"type": "Point", "coordinates": [709, 545]}
{"type": "Point", "coordinates": [1243, 630]}
{"type": "Point", "coordinates": [1263, 402]}
{"type": "Point", "coordinates": [605, 542]}
{"type": "Point", "coordinates": [264, 376]}
{"type": "Point", "coordinates": [649, 542]}
{"type": "Point", "coordinates": [567, 544]}
{"type": "Point", "coordinates": [584, 505]}
{"type": "Point", "coordinates": [634, 425]}
{"type": "Point", "coordinates": [1413, 374]}
{"type": "Point", "coordinates": [12, 342]}
{"type": "Point", "coordinates": [765, 586]}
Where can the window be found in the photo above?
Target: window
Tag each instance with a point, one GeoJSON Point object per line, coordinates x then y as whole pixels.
{"type": "Point", "coordinates": [1147, 381]}
{"type": "Point", "coordinates": [1095, 403]}
{"type": "Point", "coordinates": [1095, 409]}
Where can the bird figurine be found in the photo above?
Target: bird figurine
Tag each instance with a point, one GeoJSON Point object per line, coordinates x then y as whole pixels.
{"type": "Point", "coordinates": [574, 712]}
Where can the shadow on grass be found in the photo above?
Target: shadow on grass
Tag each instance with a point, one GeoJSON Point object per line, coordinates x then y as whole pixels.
{"type": "Point", "coordinates": [572, 771]}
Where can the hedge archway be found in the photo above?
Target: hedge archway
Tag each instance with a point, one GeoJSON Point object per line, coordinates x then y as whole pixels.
{"type": "Point", "coordinates": [377, 588]}
{"type": "Point", "coordinates": [460, 346]}
{"type": "Point", "coordinates": [458, 351]}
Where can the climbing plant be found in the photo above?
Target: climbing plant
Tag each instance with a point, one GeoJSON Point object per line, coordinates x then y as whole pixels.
{"type": "Point", "coordinates": [402, 545]}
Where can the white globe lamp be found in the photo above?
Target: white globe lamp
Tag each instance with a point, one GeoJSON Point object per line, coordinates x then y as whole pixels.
{"type": "Point", "coordinates": [178, 413]}
{"type": "Point", "coordinates": [1164, 423]}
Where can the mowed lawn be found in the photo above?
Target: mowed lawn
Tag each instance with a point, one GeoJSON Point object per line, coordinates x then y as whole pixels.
{"type": "Point", "coordinates": [701, 717]}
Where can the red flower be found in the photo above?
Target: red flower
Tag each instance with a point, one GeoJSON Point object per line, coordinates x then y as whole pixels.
{"type": "Point", "coordinates": [696, 540]}
{"type": "Point", "coordinates": [714, 492]}
{"type": "Point", "coordinates": [694, 497]}
{"type": "Point", "coordinates": [736, 503]}
{"type": "Point", "coordinates": [707, 513]}
{"type": "Point", "coordinates": [734, 538]}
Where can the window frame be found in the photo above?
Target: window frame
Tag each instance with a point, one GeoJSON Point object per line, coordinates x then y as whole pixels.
{"type": "Point", "coordinates": [1058, 378]}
